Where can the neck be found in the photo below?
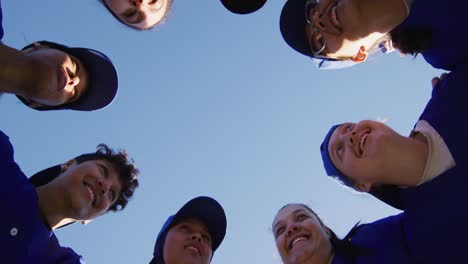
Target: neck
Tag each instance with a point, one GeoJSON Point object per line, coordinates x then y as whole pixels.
{"type": "Point", "coordinates": [17, 72]}
{"type": "Point", "coordinates": [382, 15]}
{"type": "Point", "coordinates": [52, 208]}
{"type": "Point", "coordinates": [411, 160]}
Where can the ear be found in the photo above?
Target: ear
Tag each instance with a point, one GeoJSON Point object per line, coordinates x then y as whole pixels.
{"type": "Point", "coordinates": [361, 56]}
{"type": "Point", "coordinates": [363, 187]}
{"type": "Point", "coordinates": [66, 165]}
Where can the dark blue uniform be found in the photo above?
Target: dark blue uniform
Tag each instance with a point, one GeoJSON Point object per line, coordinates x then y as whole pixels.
{"type": "Point", "coordinates": [436, 214]}
{"type": "Point", "coordinates": [24, 237]}
{"type": "Point", "coordinates": [447, 21]}
{"type": "Point", "coordinates": [383, 242]}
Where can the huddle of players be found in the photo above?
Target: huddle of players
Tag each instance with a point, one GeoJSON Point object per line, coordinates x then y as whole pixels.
{"type": "Point", "coordinates": [428, 162]}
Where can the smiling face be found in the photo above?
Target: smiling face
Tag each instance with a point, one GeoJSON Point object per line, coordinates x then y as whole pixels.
{"type": "Point", "coordinates": [140, 14]}
{"type": "Point", "coordinates": [89, 188]}
{"type": "Point", "coordinates": [188, 242]}
{"type": "Point", "coordinates": [59, 78]}
{"type": "Point", "coordinates": [364, 151]}
{"type": "Point", "coordinates": [300, 236]}
{"type": "Point", "coordinates": [338, 24]}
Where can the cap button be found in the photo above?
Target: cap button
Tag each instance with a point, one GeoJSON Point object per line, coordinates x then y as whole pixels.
{"type": "Point", "coordinates": [13, 231]}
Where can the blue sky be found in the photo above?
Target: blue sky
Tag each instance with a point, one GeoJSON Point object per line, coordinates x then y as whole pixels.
{"type": "Point", "coordinates": [210, 103]}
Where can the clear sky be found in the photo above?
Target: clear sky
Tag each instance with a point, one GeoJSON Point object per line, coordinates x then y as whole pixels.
{"type": "Point", "coordinates": [210, 103]}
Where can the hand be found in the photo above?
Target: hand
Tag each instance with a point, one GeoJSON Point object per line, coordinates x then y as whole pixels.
{"type": "Point", "coordinates": [436, 80]}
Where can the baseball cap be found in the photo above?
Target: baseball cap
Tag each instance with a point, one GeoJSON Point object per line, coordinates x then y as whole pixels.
{"type": "Point", "coordinates": [243, 7]}
{"type": "Point", "coordinates": [203, 208]}
{"type": "Point", "coordinates": [330, 168]}
{"type": "Point", "coordinates": [102, 79]}
{"type": "Point", "coordinates": [292, 26]}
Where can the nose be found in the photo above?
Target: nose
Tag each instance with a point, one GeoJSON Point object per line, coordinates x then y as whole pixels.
{"type": "Point", "coordinates": [197, 236]}
{"type": "Point", "coordinates": [350, 137]}
{"type": "Point", "coordinates": [136, 3]}
{"type": "Point", "coordinates": [293, 229]}
{"type": "Point", "coordinates": [74, 80]}
{"type": "Point", "coordinates": [318, 20]}
{"type": "Point", "coordinates": [104, 186]}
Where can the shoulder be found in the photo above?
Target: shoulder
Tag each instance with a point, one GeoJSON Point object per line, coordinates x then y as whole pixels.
{"type": "Point", "coordinates": [59, 254]}
{"type": "Point", "coordinates": [6, 149]}
{"type": "Point", "coordinates": [381, 231]}
{"type": "Point", "coordinates": [4, 139]}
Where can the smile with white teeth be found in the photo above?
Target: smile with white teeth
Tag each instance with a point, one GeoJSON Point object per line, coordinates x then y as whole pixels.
{"type": "Point", "coordinates": [363, 142]}
{"type": "Point", "coordinates": [90, 193]}
{"type": "Point", "coordinates": [295, 241]}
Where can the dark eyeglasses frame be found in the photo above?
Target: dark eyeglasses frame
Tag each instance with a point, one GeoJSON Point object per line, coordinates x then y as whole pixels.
{"type": "Point", "coordinates": [311, 4]}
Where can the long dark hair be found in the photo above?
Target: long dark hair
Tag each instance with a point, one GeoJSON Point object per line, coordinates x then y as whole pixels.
{"type": "Point", "coordinates": [411, 40]}
{"type": "Point", "coordinates": [344, 248]}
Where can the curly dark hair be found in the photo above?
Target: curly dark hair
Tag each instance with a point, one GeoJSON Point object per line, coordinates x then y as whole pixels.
{"type": "Point", "coordinates": [125, 167]}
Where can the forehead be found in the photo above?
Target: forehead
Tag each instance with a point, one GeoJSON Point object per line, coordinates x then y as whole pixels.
{"type": "Point", "coordinates": [334, 138]}
{"type": "Point", "coordinates": [194, 223]}
{"type": "Point", "coordinates": [289, 211]}
{"type": "Point", "coordinates": [45, 50]}
{"type": "Point", "coordinates": [53, 52]}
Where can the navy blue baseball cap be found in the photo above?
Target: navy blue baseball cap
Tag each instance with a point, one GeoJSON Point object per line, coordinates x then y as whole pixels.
{"type": "Point", "coordinates": [45, 176]}
{"type": "Point", "coordinates": [203, 208]}
{"type": "Point", "coordinates": [292, 26]}
{"type": "Point", "coordinates": [330, 168]}
{"type": "Point", "coordinates": [102, 79]}
{"type": "Point", "coordinates": [243, 7]}
{"type": "Point", "coordinates": [389, 194]}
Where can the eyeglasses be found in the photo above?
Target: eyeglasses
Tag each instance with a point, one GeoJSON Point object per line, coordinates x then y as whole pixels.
{"type": "Point", "coordinates": [317, 42]}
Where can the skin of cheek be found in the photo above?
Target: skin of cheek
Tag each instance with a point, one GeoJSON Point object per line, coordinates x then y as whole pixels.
{"type": "Point", "coordinates": [45, 74]}
{"type": "Point", "coordinates": [375, 161]}
{"type": "Point", "coordinates": [77, 194]}
{"type": "Point", "coordinates": [117, 6]}
{"type": "Point", "coordinates": [173, 247]}
{"type": "Point", "coordinates": [174, 252]}
{"type": "Point", "coordinates": [317, 250]}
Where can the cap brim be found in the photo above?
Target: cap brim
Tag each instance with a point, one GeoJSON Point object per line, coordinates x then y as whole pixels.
{"type": "Point", "coordinates": [209, 212]}
{"type": "Point", "coordinates": [45, 176]}
{"type": "Point", "coordinates": [102, 79]}
{"type": "Point", "coordinates": [389, 194]}
{"type": "Point", "coordinates": [243, 7]}
{"type": "Point", "coordinates": [292, 26]}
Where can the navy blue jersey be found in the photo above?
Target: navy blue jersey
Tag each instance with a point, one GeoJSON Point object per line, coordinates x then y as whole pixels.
{"type": "Point", "coordinates": [446, 20]}
{"type": "Point", "coordinates": [24, 237]}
